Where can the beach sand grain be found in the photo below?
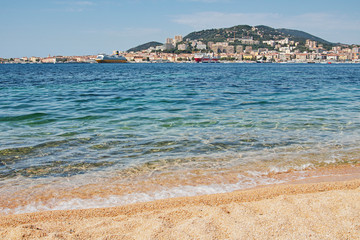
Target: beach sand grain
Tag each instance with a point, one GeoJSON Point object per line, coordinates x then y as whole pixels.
{"type": "Point", "coordinates": [322, 210]}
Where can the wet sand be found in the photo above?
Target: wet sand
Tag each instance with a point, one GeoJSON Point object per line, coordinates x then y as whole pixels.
{"type": "Point", "coordinates": [314, 208]}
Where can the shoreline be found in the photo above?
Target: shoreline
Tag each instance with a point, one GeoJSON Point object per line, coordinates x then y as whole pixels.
{"type": "Point", "coordinates": [193, 62]}
{"type": "Point", "coordinates": [112, 193]}
{"type": "Point", "coordinates": [293, 208]}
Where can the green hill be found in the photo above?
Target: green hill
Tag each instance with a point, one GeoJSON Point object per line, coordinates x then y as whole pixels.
{"type": "Point", "coordinates": [257, 33]}
{"type": "Point", "coordinates": [145, 46]}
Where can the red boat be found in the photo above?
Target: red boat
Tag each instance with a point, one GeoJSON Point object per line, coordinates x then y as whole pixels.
{"type": "Point", "coordinates": [204, 58]}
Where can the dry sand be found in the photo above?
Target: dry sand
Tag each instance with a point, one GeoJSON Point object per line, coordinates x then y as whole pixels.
{"type": "Point", "coordinates": [323, 210]}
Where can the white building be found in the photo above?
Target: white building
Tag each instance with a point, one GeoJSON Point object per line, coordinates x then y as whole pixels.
{"type": "Point", "coordinates": [270, 43]}
{"type": "Point", "coordinates": [160, 48]}
{"type": "Point", "coordinates": [334, 57]}
{"type": "Point", "coordinates": [284, 41]}
{"type": "Point", "coordinates": [182, 47]}
{"type": "Point", "coordinates": [201, 46]}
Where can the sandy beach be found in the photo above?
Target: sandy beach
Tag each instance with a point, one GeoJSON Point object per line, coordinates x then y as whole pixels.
{"type": "Point", "coordinates": [316, 208]}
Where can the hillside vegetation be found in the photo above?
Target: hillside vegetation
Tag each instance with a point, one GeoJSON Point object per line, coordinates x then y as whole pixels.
{"type": "Point", "coordinates": [258, 34]}
{"type": "Point", "coordinates": [261, 33]}
{"type": "Point", "coordinates": [145, 46]}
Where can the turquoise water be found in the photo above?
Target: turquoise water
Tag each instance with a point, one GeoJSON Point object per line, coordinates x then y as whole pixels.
{"type": "Point", "coordinates": [177, 129]}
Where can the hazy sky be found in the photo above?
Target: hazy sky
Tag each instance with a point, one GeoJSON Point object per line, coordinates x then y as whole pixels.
{"type": "Point", "coordinates": [64, 27]}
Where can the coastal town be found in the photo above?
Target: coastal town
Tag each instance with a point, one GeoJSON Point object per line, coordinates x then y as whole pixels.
{"type": "Point", "coordinates": [179, 50]}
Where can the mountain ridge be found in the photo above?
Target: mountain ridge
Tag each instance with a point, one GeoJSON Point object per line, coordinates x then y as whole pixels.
{"type": "Point", "coordinates": [145, 46]}
{"type": "Point", "coordinates": [257, 33]}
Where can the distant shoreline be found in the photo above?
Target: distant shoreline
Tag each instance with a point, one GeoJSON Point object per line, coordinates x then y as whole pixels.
{"type": "Point", "coordinates": [239, 62]}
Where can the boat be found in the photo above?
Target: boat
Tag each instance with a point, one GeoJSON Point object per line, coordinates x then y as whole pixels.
{"type": "Point", "coordinates": [263, 59]}
{"type": "Point", "coordinates": [115, 58]}
{"type": "Point", "coordinates": [205, 58]}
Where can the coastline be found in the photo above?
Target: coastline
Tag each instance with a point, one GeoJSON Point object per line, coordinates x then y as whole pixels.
{"type": "Point", "coordinates": [325, 207]}
{"type": "Point", "coordinates": [193, 62]}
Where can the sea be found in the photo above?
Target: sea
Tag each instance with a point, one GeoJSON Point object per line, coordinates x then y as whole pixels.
{"type": "Point", "coordinates": [75, 136]}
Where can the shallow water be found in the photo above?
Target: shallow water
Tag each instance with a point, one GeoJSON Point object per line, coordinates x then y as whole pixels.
{"type": "Point", "coordinates": [93, 135]}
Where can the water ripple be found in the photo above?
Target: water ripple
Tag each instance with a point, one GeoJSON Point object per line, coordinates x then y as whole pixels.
{"type": "Point", "coordinates": [60, 120]}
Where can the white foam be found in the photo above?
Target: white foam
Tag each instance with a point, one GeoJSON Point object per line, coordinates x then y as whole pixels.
{"type": "Point", "coordinates": [288, 168]}
{"type": "Point", "coordinates": [112, 201]}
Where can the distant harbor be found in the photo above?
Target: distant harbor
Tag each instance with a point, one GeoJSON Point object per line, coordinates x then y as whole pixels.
{"type": "Point", "coordinates": [337, 55]}
{"type": "Point", "coordinates": [174, 58]}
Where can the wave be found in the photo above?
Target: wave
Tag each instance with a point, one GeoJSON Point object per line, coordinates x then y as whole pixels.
{"type": "Point", "coordinates": [31, 116]}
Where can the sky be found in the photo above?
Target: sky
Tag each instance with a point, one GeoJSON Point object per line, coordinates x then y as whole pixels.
{"type": "Point", "coordinates": [88, 27]}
